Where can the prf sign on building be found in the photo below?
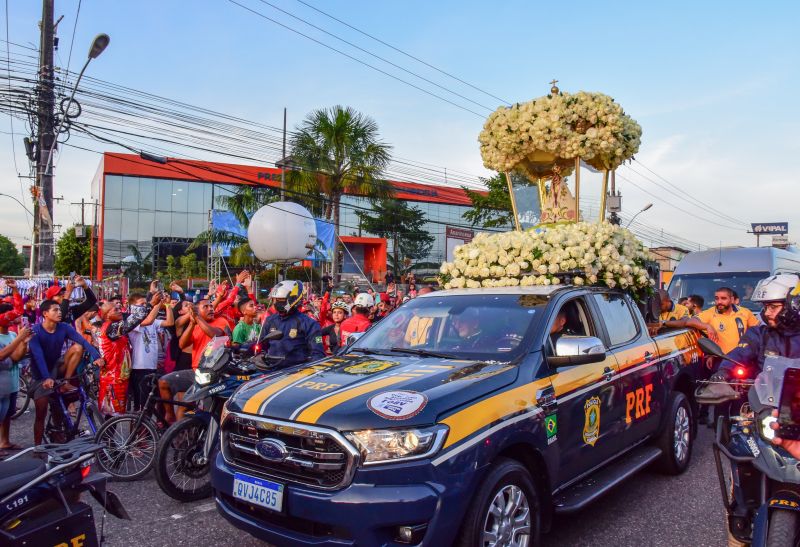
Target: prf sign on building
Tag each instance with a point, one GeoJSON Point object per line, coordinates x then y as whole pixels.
{"type": "Point", "coordinates": [455, 237]}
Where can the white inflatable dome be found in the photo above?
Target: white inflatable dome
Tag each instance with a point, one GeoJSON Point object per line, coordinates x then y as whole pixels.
{"type": "Point", "coordinates": [282, 231]}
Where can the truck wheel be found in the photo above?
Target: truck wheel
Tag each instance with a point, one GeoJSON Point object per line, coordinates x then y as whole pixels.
{"type": "Point", "coordinates": [782, 529]}
{"type": "Point", "coordinates": [505, 510]}
{"type": "Point", "coordinates": [676, 440]}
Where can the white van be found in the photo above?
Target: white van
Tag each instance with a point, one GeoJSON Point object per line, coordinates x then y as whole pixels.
{"type": "Point", "coordinates": [739, 268]}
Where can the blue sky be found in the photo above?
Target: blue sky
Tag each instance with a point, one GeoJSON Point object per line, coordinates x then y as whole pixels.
{"type": "Point", "coordinates": [713, 84]}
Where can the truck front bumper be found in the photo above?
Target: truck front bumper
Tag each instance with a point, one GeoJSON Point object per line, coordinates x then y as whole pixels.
{"type": "Point", "coordinates": [367, 512]}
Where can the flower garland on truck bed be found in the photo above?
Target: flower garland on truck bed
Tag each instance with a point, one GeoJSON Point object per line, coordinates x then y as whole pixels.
{"type": "Point", "coordinates": [588, 253]}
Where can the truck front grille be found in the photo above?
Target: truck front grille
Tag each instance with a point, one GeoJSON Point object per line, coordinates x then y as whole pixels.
{"type": "Point", "coordinates": [311, 455]}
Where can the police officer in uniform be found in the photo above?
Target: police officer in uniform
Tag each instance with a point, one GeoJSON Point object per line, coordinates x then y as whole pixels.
{"type": "Point", "coordinates": [302, 335]}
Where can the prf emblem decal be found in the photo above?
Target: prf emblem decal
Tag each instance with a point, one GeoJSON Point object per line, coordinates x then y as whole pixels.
{"type": "Point", "coordinates": [292, 333]}
{"type": "Point", "coordinates": [591, 427]}
{"type": "Point", "coordinates": [370, 367]}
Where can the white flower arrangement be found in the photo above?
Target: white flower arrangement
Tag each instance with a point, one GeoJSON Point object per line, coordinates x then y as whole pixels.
{"type": "Point", "coordinates": [592, 254]}
{"type": "Point", "coordinates": [564, 126]}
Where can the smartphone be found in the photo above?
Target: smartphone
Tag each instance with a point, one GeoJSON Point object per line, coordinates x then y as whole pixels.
{"type": "Point", "coordinates": [72, 276]}
{"type": "Point", "coordinates": [789, 409]}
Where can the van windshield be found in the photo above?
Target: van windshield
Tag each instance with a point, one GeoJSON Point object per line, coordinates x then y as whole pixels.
{"type": "Point", "coordinates": [705, 285]}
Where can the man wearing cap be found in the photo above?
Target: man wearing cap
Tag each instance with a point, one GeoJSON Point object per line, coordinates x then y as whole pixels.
{"type": "Point", "coordinates": [359, 321]}
{"type": "Point", "coordinates": [62, 295]}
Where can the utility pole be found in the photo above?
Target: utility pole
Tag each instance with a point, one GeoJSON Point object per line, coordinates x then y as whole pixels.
{"type": "Point", "coordinates": [283, 161]}
{"type": "Point", "coordinates": [42, 245]}
{"type": "Point", "coordinates": [83, 204]}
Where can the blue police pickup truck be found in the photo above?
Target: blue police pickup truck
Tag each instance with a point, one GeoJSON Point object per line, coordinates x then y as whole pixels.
{"type": "Point", "coordinates": [466, 417]}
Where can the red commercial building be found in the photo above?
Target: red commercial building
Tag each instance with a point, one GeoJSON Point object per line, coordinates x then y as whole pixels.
{"type": "Point", "coordinates": [160, 208]}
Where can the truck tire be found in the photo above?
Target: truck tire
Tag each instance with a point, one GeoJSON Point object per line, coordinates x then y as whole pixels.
{"type": "Point", "coordinates": [505, 508]}
{"type": "Point", "coordinates": [783, 528]}
{"type": "Point", "coordinates": [676, 440]}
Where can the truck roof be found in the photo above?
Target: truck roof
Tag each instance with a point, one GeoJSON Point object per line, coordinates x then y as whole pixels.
{"type": "Point", "coordinates": [746, 259]}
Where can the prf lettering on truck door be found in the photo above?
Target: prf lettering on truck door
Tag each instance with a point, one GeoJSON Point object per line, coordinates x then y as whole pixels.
{"type": "Point", "coordinates": [637, 403]}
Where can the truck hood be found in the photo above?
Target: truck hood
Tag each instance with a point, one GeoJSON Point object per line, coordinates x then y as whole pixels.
{"type": "Point", "coordinates": [359, 391]}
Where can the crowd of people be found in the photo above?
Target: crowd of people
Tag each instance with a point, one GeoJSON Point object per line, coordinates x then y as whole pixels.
{"type": "Point", "coordinates": [162, 331]}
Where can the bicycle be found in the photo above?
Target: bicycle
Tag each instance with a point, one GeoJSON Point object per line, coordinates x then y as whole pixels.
{"type": "Point", "coordinates": [130, 440]}
{"type": "Point", "coordinates": [23, 397]}
{"type": "Point", "coordinates": [61, 427]}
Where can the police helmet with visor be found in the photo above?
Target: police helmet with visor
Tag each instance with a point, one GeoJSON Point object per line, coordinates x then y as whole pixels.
{"type": "Point", "coordinates": [785, 289]}
{"type": "Point", "coordinates": [286, 295]}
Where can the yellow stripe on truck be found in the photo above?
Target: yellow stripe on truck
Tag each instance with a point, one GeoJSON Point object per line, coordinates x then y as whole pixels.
{"type": "Point", "coordinates": [254, 403]}
{"type": "Point", "coordinates": [465, 422]}
{"type": "Point", "coordinates": [311, 414]}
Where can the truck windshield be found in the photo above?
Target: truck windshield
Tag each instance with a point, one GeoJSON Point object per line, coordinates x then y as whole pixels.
{"type": "Point", "coordinates": [476, 326]}
{"type": "Point", "coordinates": [705, 285]}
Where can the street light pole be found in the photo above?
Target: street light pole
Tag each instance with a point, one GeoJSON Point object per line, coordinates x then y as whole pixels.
{"type": "Point", "coordinates": [48, 139]}
{"type": "Point", "coordinates": [645, 208]}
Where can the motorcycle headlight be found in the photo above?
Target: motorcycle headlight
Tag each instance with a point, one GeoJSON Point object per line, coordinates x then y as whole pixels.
{"type": "Point", "coordinates": [201, 377]}
{"type": "Point", "coordinates": [766, 431]}
{"type": "Point", "coordinates": [385, 445]}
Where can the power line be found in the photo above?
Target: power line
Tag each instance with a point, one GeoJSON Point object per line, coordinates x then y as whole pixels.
{"type": "Point", "coordinates": [676, 207]}
{"type": "Point", "coordinates": [356, 59]}
{"type": "Point", "coordinates": [72, 41]}
{"type": "Point", "coordinates": [11, 121]}
{"type": "Point", "coordinates": [326, 14]}
{"type": "Point", "coordinates": [387, 61]}
{"type": "Point", "coordinates": [703, 205]}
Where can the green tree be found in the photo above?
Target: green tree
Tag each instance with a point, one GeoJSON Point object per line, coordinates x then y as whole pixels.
{"type": "Point", "coordinates": [73, 254]}
{"type": "Point", "coordinates": [337, 151]}
{"type": "Point", "coordinates": [11, 261]}
{"type": "Point", "coordinates": [491, 209]}
{"type": "Point", "coordinates": [404, 225]}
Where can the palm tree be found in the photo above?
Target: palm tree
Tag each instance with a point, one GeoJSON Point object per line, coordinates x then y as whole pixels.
{"type": "Point", "coordinates": [243, 203]}
{"type": "Point", "coordinates": [336, 151]}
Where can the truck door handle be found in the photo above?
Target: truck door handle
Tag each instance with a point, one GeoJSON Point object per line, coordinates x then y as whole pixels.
{"type": "Point", "coordinates": [648, 356]}
{"type": "Point", "coordinates": [608, 374]}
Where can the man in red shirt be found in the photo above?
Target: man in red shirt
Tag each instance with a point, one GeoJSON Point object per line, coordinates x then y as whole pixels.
{"type": "Point", "coordinates": [359, 321]}
{"type": "Point", "coordinates": [203, 326]}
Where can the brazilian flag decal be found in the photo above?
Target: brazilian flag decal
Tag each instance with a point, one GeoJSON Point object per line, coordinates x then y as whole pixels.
{"type": "Point", "coordinates": [551, 426]}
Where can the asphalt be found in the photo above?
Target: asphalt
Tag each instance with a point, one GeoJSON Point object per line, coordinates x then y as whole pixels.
{"type": "Point", "coordinates": [650, 510]}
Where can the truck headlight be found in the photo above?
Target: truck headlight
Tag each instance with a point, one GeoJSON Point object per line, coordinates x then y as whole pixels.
{"type": "Point", "coordinates": [385, 445]}
{"type": "Point", "coordinates": [202, 378]}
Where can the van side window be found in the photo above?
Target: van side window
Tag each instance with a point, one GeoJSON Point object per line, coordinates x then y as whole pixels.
{"type": "Point", "coordinates": [617, 316]}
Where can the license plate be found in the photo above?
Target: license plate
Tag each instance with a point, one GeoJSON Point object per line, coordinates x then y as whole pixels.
{"type": "Point", "coordinates": [258, 491]}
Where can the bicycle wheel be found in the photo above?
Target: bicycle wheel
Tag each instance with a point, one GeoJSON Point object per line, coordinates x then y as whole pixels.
{"type": "Point", "coordinates": [23, 398]}
{"type": "Point", "coordinates": [97, 417]}
{"type": "Point", "coordinates": [129, 449]}
{"type": "Point", "coordinates": [180, 470]}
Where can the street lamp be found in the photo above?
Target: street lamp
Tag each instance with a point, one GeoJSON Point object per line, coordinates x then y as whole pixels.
{"type": "Point", "coordinates": [18, 201]}
{"type": "Point", "coordinates": [645, 208]}
{"type": "Point", "coordinates": [100, 43]}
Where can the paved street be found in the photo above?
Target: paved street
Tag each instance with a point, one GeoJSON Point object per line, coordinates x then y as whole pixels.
{"type": "Point", "coordinates": [651, 510]}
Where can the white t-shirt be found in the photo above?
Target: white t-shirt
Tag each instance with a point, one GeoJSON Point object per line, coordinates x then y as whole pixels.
{"type": "Point", "coordinates": [144, 343]}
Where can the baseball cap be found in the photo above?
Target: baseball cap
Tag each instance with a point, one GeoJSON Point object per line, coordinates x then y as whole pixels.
{"type": "Point", "coordinates": [363, 300]}
{"type": "Point", "coordinates": [52, 291]}
{"type": "Point", "coordinates": [385, 297]}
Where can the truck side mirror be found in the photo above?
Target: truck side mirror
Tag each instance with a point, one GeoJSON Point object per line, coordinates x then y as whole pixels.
{"type": "Point", "coordinates": [353, 338]}
{"type": "Point", "coordinates": [577, 350]}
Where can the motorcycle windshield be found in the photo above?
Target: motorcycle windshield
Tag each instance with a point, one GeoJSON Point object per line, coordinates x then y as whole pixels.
{"type": "Point", "coordinates": [769, 383]}
{"type": "Point", "coordinates": [213, 352]}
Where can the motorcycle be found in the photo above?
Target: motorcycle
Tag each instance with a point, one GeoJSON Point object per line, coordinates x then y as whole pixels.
{"type": "Point", "coordinates": [761, 489]}
{"type": "Point", "coordinates": [186, 449]}
{"type": "Point", "coordinates": [40, 491]}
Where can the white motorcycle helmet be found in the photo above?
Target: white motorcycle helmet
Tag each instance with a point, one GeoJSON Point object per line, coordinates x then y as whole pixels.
{"type": "Point", "coordinates": [286, 295]}
{"type": "Point", "coordinates": [781, 288]}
